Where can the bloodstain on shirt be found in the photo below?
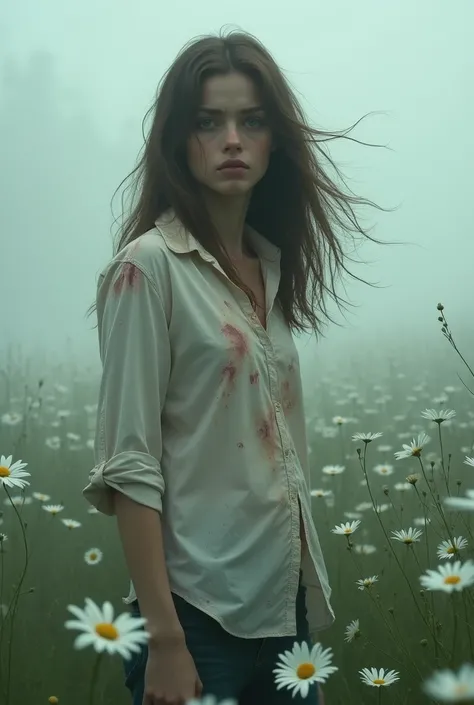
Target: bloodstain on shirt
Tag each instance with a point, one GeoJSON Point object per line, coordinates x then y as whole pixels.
{"type": "Point", "coordinates": [129, 277]}
{"type": "Point", "coordinates": [239, 349]}
{"type": "Point", "coordinates": [287, 395]}
{"type": "Point", "coordinates": [237, 338]}
{"type": "Point", "coordinates": [254, 377]}
{"type": "Point", "coordinates": [267, 432]}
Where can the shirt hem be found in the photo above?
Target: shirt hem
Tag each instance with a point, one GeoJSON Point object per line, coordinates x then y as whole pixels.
{"type": "Point", "coordinates": [259, 635]}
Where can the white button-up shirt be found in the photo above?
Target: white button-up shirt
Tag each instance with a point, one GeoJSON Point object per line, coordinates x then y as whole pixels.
{"type": "Point", "coordinates": [200, 416]}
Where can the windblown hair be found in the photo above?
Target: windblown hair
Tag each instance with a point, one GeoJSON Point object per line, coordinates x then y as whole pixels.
{"type": "Point", "coordinates": [296, 205]}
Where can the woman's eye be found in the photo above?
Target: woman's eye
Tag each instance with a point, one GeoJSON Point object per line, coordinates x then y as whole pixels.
{"type": "Point", "coordinates": [206, 123]}
{"type": "Point", "coordinates": [201, 123]}
{"type": "Point", "coordinates": [258, 120]}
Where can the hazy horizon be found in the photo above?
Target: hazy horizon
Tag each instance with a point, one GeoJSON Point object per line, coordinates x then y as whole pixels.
{"type": "Point", "coordinates": [74, 90]}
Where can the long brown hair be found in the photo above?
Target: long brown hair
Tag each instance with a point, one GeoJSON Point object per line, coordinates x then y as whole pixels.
{"type": "Point", "coordinates": [296, 205]}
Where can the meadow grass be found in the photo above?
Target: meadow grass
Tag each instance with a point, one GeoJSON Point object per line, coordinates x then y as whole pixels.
{"type": "Point", "coordinates": [382, 521]}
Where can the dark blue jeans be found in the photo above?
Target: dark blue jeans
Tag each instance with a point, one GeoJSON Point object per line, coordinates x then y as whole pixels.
{"type": "Point", "coordinates": [229, 666]}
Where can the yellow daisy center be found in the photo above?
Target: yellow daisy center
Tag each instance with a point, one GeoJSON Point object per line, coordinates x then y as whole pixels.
{"type": "Point", "coordinates": [348, 530]}
{"type": "Point", "coordinates": [4, 472]}
{"type": "Point", "coordinates": [384, 470]}
{"type": "Point", "coordinates": [408, 539]}
{"type": "Point", "coordinates": [53, 700]}
{"type": "Point", "coordinates": [305, 670]}
{"type": "Point", "coordinates": [416, 451]}
{"type": "Point", "coordinates": [451, 549]}
{"type": "Point", "coordinates": [107, 631]}
{"type": "Point", "coordinates": [452, 580]}
{"type": "Point", "coordinates": [461, 689]}
{"type": "Point", "coordinates": [92, 556]}
{"type": "Point", "coordinates": [379, 681]}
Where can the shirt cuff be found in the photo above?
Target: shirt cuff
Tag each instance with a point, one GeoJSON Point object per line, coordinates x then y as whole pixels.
{"type": "Point", "coordinates": [134, 474]}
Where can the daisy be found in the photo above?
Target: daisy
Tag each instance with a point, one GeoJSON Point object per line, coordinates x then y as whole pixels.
{"type": "Point", "coordinates": [469, 461]}
{"type": "Point", "coordinates": [346, 528]}
{"type": "Point", "coordinates": [367, 583]}
{"type": "Point", "coordinates": [41, 497]}
{"type": "Point", "coordinates": [3, 537]}
{"type": "Point", "coordinates": [18, 500]}
{"type": "Point", "coordinates": [384, 449]}
{"type": "Point", "coordinates": [122, 636]}
{"type": "Point", "coordinates": [377, 679]}
{"type": "Point", "coordinates": [447, 549]}
{"type": "Point", "coordinates": [211, 700]}
{"type": "Point", "coordinates": [461, 503]}
{"type": "Point", "coordinates": [12, 418]}
{"type": "Point", "coordinates": [365, 437]}
{"type": "Point", "coordinates": [13, 475]}
{"type": "Point", "coordinates": [93, 556]}
{"type": "Point", "coordinates": [383, 469]}
{"type": "Point", "coordinates": [339, 420]}
{"type": "Point", "coordinates": [408, 537]}
{"type": "Point", "coordinates": [363, 506]}
{"type": "Point", "coordinates": [450, 687]}
{"type": "Point", "coordinates": [415, 447]}
{"type": "Point", "coordinates": [352, 631]}
{"type": "Point", "coordinates": [73, 436]}
{"type": "Point", "coordinates": [438, 416]}
{"type": "Point", "coordinates": [381, 508]}
{"type": "Point", "coordinates": [365, 548]}
{"type": "Point", "coordinates": [53, 442]}
{"type": "Point", "coordinates": [53, 508]}
{"type": "Point", "coordinates": [321, 493]}
{"type": "Point", "coordinates": [403, 486]}
{"type": "Point", "coordinates": [449, 577]}
{"type": "Point", "coordinates": [71, 524]}
{"type": "Point", "coordinates": [333, 469]}
{"type": "Point", "coordinates": [413, 479]}
{"type": "Point", "coordinates": [300, 668]}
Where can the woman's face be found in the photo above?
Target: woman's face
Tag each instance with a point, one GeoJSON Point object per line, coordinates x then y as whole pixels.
{"type": "Point", "coordinates": [230, 124]}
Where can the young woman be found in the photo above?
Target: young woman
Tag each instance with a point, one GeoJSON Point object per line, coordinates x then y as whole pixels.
{"type": "Point", "coordinates": [201, 445]}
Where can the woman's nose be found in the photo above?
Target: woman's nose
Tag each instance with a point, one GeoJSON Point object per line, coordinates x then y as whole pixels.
{"type": "Point", "coordinates": [232, 135]}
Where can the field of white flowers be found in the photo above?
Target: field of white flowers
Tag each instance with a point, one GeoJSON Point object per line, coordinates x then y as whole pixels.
{"type": "Point", "coordinates": [392, 466]}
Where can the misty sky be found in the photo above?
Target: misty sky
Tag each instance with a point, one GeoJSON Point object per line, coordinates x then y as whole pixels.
{"type": "Point", "coordinates": [77, 79]}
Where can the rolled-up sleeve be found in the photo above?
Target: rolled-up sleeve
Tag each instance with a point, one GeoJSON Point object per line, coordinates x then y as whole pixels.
{"type": "Point", "coordinates": [135, 354]}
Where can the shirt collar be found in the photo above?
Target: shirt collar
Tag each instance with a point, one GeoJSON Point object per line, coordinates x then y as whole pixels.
{"type": "Point", "coordinates": [180, 240]}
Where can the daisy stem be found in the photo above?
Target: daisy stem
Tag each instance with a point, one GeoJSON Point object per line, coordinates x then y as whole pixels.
{"type": "Point", "coordinates": [455, 627]}
{"type": "Point", "coordinates": [380, 695]}
{"type": "Point", "coordinates": [412, 550]}
{"type": "Point", "coordinates": [398, 643]}
{"type": "Point", "coordinates": [437, 504]}
{"type": "Point", "coordinates": [2, 616]}
{"type": "Point", "coordinates": [94, 678]}
{"type": "Point", "coordinates": [450, 338]}
{"type": "Point", "coordinates": [379, 650]}
{"type": "Point", "coordinates": [2, 569]}
{"type": "Point", "coordinates": [446, 476]}
{"type": "Point", "coordinates": [468, 627]}
{"type": "Point", "coordinates": [427, 624]}
{"type": "Point", "coordinates": [14, 603]}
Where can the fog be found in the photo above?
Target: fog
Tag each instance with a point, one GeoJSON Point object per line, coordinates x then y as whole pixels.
{"type": "Point", "coordinates": [77, 80]}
